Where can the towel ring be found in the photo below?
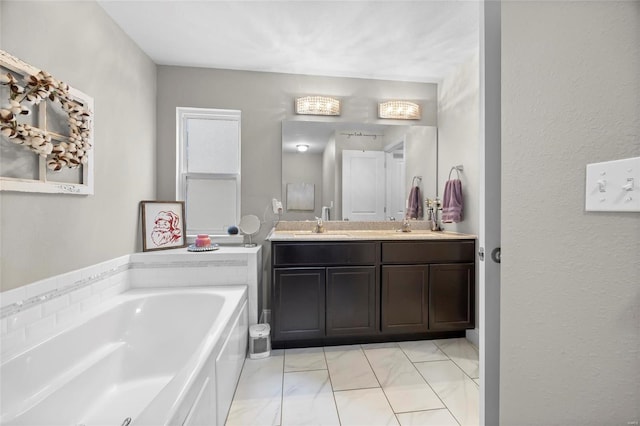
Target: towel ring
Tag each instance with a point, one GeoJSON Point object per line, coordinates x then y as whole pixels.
{"type": "Point", "coordinates": [458, 169]}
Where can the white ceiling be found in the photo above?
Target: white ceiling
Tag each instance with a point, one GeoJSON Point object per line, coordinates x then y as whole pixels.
{"type": "Point", "coordinates": [419, 41]}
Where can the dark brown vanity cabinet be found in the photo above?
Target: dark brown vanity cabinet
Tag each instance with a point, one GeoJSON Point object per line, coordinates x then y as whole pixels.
{"type": "Point", "coordinates": [352, 301]}
{"type": "Point", "coordinates": [451, 296]}
{"type": "Point", "coordinates": [341, 298]}
{"type": "Point", "coordinates": [405, 299]}
{"type": "Point", "coordinates": [337, 292]}
{"type": "Point", "coordinates": [299, 303]}
{"type": "Point", "coordinates": [428, 286]}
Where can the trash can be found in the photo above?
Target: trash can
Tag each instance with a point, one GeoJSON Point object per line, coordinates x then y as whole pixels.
{"type": "Point", "coordinates": [259, 341]}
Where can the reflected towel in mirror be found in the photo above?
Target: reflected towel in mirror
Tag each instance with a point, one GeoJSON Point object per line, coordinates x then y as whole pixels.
{"type": "Point", "coordinates": [414, 210]}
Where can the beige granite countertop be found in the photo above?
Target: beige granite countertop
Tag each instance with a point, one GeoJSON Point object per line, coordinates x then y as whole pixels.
{"type": "Point", "coordinates": [365, 234]}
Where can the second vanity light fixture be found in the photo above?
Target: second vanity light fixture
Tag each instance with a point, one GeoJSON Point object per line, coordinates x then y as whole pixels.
{"type": "Point", "coordinates": [399, 110]}
{"type": "Point", "coordinates": [317, 105]}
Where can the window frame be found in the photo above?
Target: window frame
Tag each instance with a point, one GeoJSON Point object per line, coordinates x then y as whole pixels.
{"type": "Point", "coordinates": [183, 114]}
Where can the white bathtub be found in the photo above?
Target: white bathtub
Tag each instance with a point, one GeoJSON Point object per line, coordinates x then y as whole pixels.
{"type": "Point", "coordinates": [157, 356]}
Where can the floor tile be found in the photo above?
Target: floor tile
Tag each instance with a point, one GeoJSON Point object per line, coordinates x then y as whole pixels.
{"type": "Point", "coordinates": [364, 407]}
{"type": "Point", "coordinates": [428, 418]}
{"type": "Point", "coordinates": [404, 387]}
{"type": "Point", "coordinates": [463, 353]}
{"type": "Point", "coordinates": [308, 400]}
{"type": "Point", "coordinates": [304, 359]}
{"type": "Point", "coordinates": [455, 388]}
{"type": "Point", "coordinates": [422, 350]}
{"type": "Point", "coordinates": [349, 368]}
{"type": "Point", "coordinates": [259, 392]}
{"type": "Point", "coordinates": [379, 345]}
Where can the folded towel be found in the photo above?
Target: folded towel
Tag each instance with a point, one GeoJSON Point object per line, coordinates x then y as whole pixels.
{"type": "Point", "coordinates": [452, 202]}
{"type": "Point", "coordinates": [414, 210]}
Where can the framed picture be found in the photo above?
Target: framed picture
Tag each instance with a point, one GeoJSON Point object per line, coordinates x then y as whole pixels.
{"type": "Point", "coordinates": [163, 225]}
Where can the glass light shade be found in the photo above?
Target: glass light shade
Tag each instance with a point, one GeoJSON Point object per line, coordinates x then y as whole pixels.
{"type": "Point", "coordinates": [302, 147]}
{"type": "Point", "coordinates": [399, 110]}
{"type": "Point", "coordinates": [317, 105]}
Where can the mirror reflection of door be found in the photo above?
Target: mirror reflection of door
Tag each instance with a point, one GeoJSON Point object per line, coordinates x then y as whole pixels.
{"type": "Point", "coordinates": [396, 193]}
{"type": "Point", "coordinates": [414, 148]}
{"type": "Point", "coordinates": [363, 185]}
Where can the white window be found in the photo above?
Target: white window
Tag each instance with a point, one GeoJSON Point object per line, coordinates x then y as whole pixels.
{"type": "Point", "coordinates": [208, 178]}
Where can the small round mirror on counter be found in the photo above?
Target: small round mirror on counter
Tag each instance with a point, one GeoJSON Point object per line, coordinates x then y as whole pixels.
{"type": "Point", "coordinates": [249, 225]}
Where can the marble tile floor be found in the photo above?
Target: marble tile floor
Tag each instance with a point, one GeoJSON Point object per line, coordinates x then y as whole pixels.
{"type": "Point", "coordinates": [428, 382]}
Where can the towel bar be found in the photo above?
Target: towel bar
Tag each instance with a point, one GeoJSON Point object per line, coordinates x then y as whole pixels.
{"type": "Point", "coordinates": [458, 169]}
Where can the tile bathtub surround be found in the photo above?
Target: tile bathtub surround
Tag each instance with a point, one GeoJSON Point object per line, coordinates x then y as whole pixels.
{"type": "Point", "coordinates": [31, 313]}
{"type": "Point", "coordinates": [179, 267]}
{"type": "Point", "coordinates": [355, 385]}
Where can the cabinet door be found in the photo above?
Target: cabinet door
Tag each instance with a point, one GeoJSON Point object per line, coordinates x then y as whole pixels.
{"type": "Point", "coordinates": [351, 301]}
{"type": "Point", "coordinates": [299, 303]}
{"type": "Point", "coordinates": [451, 297]}
{"type": "Point", "coordinates": [404, 298]}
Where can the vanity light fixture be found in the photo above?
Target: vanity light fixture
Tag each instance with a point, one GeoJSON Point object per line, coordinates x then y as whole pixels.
{"type": "Point", "coordinates": [302, 147]}
{"type": "Point", "coordinates": [399, 110]}
{"type": "Point", "coordinates": [317, 105]}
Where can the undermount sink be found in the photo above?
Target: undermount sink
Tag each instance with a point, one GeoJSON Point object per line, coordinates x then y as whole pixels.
{"type": "Point", "coordinates": [307, 234]}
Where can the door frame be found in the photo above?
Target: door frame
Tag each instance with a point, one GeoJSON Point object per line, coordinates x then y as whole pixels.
{"type": "Point", "coordinates": [490, 202]}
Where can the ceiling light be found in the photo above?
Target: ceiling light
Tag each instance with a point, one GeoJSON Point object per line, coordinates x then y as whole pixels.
{"type": "Point", "coordinates": [400, 110]}
{"type": "Point", "coordinates": [317, 105]}
{"type": "Point", "coordinates": [302, 147]}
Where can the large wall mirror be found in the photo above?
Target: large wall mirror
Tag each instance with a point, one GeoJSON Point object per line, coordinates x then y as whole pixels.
{"type": "Point", "coordinates": [355, 171]}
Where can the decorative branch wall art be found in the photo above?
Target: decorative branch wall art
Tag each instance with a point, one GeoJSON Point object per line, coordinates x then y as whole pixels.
{"type": "Point", "coordinates": [61, 136]}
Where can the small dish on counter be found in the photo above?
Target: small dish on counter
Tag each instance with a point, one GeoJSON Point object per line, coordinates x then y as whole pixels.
{"type": "Point", "coordinates": [211, 247]}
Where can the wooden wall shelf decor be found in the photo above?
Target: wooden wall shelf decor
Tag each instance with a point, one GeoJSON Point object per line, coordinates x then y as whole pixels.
{"type": "Point", "coordinates": [46, 132]}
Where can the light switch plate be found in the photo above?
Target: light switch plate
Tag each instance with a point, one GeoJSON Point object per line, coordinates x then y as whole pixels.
{"type": "Point", "coordinates": [613, 186]}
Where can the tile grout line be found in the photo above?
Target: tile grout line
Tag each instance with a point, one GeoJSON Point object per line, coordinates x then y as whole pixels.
{"type": "Point", "coordinates": [380, 384]}
{"type": "Point", "coordinates": [284, 353]}
{"type": "Point", "coordinates": [413, 364]}
{"type": "Point", "coordinates": [333, 392]}
{"type": "Point", "coordinates": [456, 364]}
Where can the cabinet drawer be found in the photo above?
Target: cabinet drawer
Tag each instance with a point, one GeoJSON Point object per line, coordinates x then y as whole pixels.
{"type": "Point", "coordinates": [324, 254]}
{"type": "Point", "coordinates": [406, 252]}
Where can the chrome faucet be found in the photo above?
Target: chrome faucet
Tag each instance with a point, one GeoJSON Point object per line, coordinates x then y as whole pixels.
{"type": "Point", "coordinates": [432, 207]}
{"type": "Point", "coordinates": [406, 225]}
{"type": "Point", "coordinates": [319, 228]}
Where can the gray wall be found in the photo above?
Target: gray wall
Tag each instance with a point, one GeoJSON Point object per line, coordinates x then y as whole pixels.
{"type": "Point", "coordinates": [458, 137]}
{"type": "Point", "coordinates": [458, 144]}
{"type": "Point", "coordinates": [44, 234]}
{"type": "Point", "coordinates": [570, 300]}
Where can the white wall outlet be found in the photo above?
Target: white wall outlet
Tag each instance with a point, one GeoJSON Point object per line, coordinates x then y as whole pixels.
{"type": "Point", "coordinates": [613, 186]}
{"type": "Point", "coordinates": [277, 206]}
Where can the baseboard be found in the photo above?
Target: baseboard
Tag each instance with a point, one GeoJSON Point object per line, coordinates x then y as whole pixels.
{"type": "Point", "coordinates": [473, 336]}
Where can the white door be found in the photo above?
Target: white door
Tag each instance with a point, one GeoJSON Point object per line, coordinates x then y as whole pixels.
{"type": "Point", "coordinates": [363, 185]}
{"type": "Point", "coordinates": [396, 189]}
